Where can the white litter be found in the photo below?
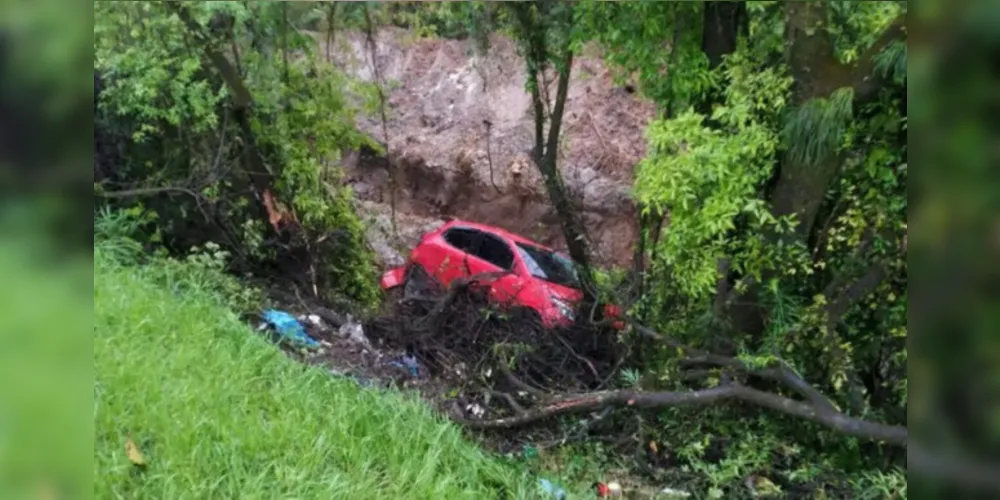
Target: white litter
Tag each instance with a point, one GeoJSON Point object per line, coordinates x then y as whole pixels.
{"type": "Point", "coordinates": [354, 331]}
{"type": "Point", "coordinates": [675, 493]}
{"type": "Point", "coordinates": [476, 410]}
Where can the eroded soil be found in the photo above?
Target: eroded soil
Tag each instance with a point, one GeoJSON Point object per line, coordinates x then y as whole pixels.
{"type": "Point", "coordinates": [460, 130]}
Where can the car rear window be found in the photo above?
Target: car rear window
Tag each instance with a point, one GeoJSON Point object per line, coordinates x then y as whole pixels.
{"type": "Point", "coordinates": [548, 265]}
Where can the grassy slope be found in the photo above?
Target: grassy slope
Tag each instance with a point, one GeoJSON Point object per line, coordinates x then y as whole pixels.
{"type": "Point", "coordinates": [220, 413]}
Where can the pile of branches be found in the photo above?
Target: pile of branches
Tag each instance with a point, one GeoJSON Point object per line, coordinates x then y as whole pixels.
{"type": "Point", "coordinates": [506, 356]}
{"type": "Point", "coordinates": [535, 374]}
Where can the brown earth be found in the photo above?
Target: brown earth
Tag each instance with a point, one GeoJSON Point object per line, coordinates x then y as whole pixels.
{"type": "Point", "coordinates": [460, 128]}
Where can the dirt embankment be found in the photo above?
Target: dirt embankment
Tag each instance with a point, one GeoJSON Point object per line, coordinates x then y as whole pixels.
{"type": "Point", "coordinates": [460, 129]}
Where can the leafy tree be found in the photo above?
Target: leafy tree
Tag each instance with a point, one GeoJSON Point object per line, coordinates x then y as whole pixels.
{"type": "Point", "coordinates": [222, 122]}
{"type": "Point", "coordinates": [780, 162]}
{"type": "Point", "coordinates": [545, 31]}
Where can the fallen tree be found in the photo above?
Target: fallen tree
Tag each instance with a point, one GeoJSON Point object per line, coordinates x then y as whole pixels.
{"type": "Point", "coordinates": [816, 407]}
{"type": "Point", "coordinates": [559, 372]}
{"type": "Point", "coordinates": [647, 399]}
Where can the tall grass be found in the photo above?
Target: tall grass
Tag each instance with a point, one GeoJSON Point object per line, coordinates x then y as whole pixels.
{"type": "Point", "coordinates": [220, 413]}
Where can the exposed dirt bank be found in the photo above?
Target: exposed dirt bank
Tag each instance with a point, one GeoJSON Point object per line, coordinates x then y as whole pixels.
{"type": "Point", "coordinates": [459, 132]}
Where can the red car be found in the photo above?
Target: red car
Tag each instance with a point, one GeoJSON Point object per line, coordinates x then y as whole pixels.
{"type": "Point", "coordinates": [529, 275]}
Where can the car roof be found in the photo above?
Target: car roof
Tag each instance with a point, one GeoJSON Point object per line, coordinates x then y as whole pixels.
{"type": "Point", "coordinates": [493, 229]}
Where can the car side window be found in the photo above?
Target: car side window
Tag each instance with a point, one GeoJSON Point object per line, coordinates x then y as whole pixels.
{"type": "Point", "coordinates": [482, 245]}
{"type": "Point", "coordinates": [466, 240]}
{"type": "Point", "coordinates": [496, 251]}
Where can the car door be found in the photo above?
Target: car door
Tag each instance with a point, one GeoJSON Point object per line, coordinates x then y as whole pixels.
{"type": "Point", "coordinates": [457, 258]}
{"type": "Point", "coordinates": [495, 255]}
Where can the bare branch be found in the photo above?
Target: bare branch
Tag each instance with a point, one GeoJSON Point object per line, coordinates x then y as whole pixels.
{"type": "Point", "coordinates": [867, 283]}
{"type": "Point", "coordinates": [379, 84]}
{"type": "Point", "coordinates": [458, 286]}
{"type": "Point", "coordinates": [784, 374]}
{"type": "Point", "coordinates": [507, 397]}
{"type": "Point", "coordinates": [489, 155]}
{"type": "Point", "coordinates": [520, 384]}
{"type": "Point", "coordinates": [577, 356]}
{"type": "Point", "coordinates": [780, 372]}
{"type": "Point", "coordinates": [131, 193]}
{"type": "Point", "coordinates": [892, 434]}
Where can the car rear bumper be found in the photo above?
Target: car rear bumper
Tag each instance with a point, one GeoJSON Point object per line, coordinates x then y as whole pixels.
{"type": "Point", "coordinates": [392, 278]}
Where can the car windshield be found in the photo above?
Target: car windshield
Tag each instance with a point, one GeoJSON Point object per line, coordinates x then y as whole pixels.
{"type": "Point", "coordinates": [548, 265]}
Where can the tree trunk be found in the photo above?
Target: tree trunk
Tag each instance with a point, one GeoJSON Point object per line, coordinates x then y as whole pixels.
{"type": "Point", "coordinates": [546, 151]}
{"type": "Point", "coordinates": [331, 15]}
{"type": "Point", "coordinates": [242, 103]}
{"type": "Point", "coordinates": [801, 187]}
{"type": "Point", "coordinates": [722, 24]}
{"type": "Point", "coordinates": [573, 230]}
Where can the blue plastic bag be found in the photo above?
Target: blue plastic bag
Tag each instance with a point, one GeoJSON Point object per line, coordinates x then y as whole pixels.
{"type": "Point", "coordinates": [552, 489]}
{"type": "Point", "coordinates": [409, 363]}
{"type": "Point", "coordinates": [288, 327]}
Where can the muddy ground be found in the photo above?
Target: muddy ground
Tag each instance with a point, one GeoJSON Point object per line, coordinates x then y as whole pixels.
{"type": "Point", "coordinates": [460, 129]}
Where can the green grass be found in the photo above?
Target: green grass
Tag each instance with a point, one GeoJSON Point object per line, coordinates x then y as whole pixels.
{"type": "Point", "coordinates": [220, 413]}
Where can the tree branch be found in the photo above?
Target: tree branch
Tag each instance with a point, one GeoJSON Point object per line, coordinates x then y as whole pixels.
{"type": "Point", "coordinates": [784, 374]}
{"type": "Point", "coordinates": [508, 398]}
{"type": "Point", "coordinates": [535, 56]}
{"type": "Point", "coordinates": [892, 434]}
{"type": "Point", "coordinates": [858, 289]}
{"type": "Point", "coordinates": [864, 81]}
{"type": "Point", "coordinates": [130, 193]}
{"type": "Point", "coordinates": [780, 372]}
{"type": "Point", "coordinates": [380, 92]}
{"type": "Point", "coordinates": [577, 356]}
{"type": "Point", "coordinates": [241, 95]}
{"type": "Point", "coordinates": [520, 384]}
{"type": "Point", "coordinates": [555, 117]}
{"type": "Point", "coordinates": [457, 286]}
